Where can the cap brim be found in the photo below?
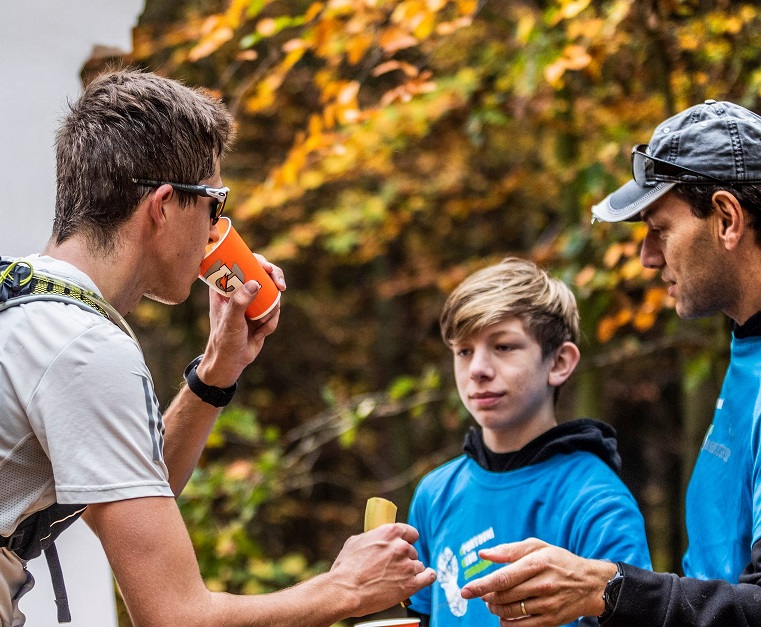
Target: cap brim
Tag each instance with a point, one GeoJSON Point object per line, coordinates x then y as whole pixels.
{"type": "Point", "coordinates": [628, 201]}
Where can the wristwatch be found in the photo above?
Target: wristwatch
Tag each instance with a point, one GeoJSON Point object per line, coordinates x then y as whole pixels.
{"type": "Point", "coordinates": [218, 397]}
{"type": "Point", "coordinates": [612, 590]}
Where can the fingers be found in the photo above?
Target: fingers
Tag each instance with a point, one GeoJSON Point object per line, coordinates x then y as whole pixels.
{"type": "Point", "coordinates": [268, 324]}
{"type": "Point", "coordinates": [424, 578]}
{"type": "Point", "coordinates": [512, 551]}
{"type": "Point", "coordinates": [274, 271]}
{"type": "Point", "coordinates": [244, 296]}
{"type": "Point", "coordinates": [409, 533]}
{"type": "Point", "coordinates": [507, 577]}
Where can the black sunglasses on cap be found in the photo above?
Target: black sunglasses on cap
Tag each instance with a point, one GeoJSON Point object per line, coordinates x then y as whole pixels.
{"type": "Point", "coordinates": [649, 171]}
{"type": "Point", "coordinates": [219, 194]}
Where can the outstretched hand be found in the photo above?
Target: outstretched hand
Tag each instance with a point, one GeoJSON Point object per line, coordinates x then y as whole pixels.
{"type": "Point", "coordinates": [543, 585]}
{"type": "Point", "coordinates": [380, 568]}
{"type": "Point", "coordinates": [234, 340]}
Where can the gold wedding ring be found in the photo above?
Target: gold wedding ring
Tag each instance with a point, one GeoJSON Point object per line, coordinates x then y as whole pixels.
{"type": "Point", "coordinates": [523, 609]}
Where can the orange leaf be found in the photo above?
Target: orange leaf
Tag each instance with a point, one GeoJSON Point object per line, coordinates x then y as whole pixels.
{"type": "Point", "coordinates": [395, 38]}
{"type": "Point", "coordinates": [585, 276]}
{"type": "Point", "coordinates": [211, 43]}
{"type": "Point", "coordinates": [644, 321]}
{"type": "Point", "coordinates": [577, 58]}
{"type": "Point", "coordinates": [606, 329]}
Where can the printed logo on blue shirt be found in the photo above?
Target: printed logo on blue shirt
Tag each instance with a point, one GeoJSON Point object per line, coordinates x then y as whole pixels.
{"type": "Point", "coordinates": [714, 448]}
{"type": "Point", "coordinates": [448, 569]}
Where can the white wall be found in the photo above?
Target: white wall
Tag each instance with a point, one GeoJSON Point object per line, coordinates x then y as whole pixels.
{"type": "Point", "coordinates": [43, 46]}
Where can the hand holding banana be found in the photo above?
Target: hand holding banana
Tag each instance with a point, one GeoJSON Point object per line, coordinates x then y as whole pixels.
{"type": "Point", "coordinates": [380, 511]}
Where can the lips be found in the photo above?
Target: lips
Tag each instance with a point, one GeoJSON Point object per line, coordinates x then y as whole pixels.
{"type": "Point", "coordinates": [486, 399]}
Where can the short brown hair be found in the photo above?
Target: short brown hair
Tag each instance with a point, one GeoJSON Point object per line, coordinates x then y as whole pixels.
{"type": "Point", "coordinates": [130, 124]}
{"type": "Point", "coordinates": [512, 288]}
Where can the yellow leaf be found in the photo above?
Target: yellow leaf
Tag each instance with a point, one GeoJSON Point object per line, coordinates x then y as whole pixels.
{"type": "Point", "coordinates": [553, 73]}
{"type": "Point", "coordinates": [235, 12]}
{"type": "Point", "coordinates": [632, 268]}
{"type": "Point", "coordinates": [526, 25]}
{"type": "Point", "coordinates": [612, 255]}
{"type": "Point", "coordinates": [425, 26]}
{"type": "Point", "coordinates": [357, 46]}
{"type": "Point", "coordinates": [313, 11]}
{"type": "Point", "coordinates": [571, 8]}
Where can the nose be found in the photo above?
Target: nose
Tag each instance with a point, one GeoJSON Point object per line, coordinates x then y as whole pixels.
{"type": "Point", "coordinates": [481, 367]}
{"type": "Point", "coordinates": [650, 254]}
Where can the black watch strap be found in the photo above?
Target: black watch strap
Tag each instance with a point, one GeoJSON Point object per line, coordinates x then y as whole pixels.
{"type": "Point", "coordinates": [612, 590]}
{"type": "Point", "coordinates": [218, 397]}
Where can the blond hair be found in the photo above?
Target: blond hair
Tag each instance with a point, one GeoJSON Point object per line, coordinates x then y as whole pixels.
{"type": "Point", "coordinates": [512, 288]}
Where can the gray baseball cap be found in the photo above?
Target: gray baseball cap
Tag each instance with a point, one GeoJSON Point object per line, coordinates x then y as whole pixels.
{"type": "Point", "coordinates": [712, 143]}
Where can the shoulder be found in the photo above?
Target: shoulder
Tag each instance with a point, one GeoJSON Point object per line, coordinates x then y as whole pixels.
{"type": "Point", "coordinates": [432, 482]}
{"type": "Point", "coordinates": [586, 471]}
{"type": "Point", "coordinates": [447, 469]}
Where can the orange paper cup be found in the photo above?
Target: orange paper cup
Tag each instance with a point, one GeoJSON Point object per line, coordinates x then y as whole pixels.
{"type": "Point", "coordinates": [229, 263]}
{"type": "Point", "coordinates": [388, 622]}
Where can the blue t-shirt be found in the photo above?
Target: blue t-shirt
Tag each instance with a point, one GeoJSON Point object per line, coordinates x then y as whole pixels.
{"type": "Point", "coordinates": [574, 501]}
{"type": "Point", "coordinates": [723, 508]}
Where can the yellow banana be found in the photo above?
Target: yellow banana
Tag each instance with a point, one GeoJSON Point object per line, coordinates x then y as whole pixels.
{"type": "Point", "coordinates": [379, 512]}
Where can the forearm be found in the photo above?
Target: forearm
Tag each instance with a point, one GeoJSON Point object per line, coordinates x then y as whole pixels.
{"type": "Point", "coordinates": [188, 422]}
{"type": "Point", "coordinates": [319, 602]}
{"type": "Point", "coordinates": [666, 600]}
{"type": "Point", "coordinates": [154, 564]}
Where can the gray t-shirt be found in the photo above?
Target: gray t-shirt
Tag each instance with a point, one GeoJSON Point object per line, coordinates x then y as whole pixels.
{"type": "Point", "coordinates": [80, 420]}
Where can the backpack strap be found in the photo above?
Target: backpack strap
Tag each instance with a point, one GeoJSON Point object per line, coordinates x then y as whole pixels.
{"type": "Point", "coordinates": [36, 534]}
{"type": "Point", "coordinates": [19, 284]}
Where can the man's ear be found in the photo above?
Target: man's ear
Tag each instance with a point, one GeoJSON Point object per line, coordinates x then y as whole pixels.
{"type": "Point", "coordinates": [732, 219]}
{"type": "Point", "coordinates": [156, 201]}
{"type": "Point", "coordinates": [564, 363]}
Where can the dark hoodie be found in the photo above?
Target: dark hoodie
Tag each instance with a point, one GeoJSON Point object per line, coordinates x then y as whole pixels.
{"type": "Point", "coordinates": [578, 435]}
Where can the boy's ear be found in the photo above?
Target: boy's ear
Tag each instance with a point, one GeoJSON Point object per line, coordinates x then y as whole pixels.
{"type": "Point", "coordinates": [565, 360]}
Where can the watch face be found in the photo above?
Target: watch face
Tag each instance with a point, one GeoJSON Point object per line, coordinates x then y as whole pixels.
{"type": "Point", "coordinates": [612, 590]}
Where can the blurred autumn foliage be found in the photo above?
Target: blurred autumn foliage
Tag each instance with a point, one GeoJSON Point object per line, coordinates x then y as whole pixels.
{"type": "Point", "coordinates": [386, 149]}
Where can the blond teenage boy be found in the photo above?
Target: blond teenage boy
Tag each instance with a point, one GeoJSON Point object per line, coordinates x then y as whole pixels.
{"type": "Point", "coordinates": [513, 331]}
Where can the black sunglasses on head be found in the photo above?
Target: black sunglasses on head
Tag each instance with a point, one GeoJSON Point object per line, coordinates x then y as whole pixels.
{"type": "Point", "coordinates": [649, 171]}
{"type": "Point", "coordinates": [219, 194]}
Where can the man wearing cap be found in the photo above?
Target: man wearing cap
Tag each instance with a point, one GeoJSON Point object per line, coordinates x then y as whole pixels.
{"type": "Point", "coordinates": [697, 187]}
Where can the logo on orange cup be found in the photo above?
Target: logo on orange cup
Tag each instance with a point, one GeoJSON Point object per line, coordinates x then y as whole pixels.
{"type": "Point", "coordinates": [224, 279]}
